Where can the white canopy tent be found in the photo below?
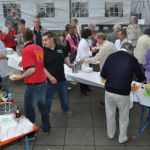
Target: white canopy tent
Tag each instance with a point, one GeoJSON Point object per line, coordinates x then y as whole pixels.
{"type": "Point", "coordinates": [55, 14]}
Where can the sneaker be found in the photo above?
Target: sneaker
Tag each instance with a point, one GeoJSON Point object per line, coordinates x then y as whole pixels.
{"type": "Point", "coordinates": [128, 140]}
{"type": "Point", "coordinates": [46, 133]}
{"type": "Point", "coordinates": [51, 114]}
{"type": "Point", "coordinates": [69, 88]}
{"type": "Point", "coordinates": [68, 113]}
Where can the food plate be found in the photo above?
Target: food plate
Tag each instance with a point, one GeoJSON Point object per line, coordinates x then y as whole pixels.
{"type": "Point", "coordinates": [134, 87]}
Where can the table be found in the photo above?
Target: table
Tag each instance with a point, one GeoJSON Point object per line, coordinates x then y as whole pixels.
{"type": "Point", "coordinates": [14, 60]}
{"type": "Point", "coordinates": [94, 79]}
{"type": "Point", "coordinates": [145, 106]}
{"type": "Point", "coordinates": [35, 128]}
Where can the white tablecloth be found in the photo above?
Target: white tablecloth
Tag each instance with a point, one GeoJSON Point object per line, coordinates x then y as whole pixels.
{"type": "Point", "coordinates": [14, 60]}
{"type": "Point", "coordinates": [94, 79]}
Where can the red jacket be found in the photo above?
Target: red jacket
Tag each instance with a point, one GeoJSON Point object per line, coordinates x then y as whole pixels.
{"type": "Point", "coordinates": [9, 38]}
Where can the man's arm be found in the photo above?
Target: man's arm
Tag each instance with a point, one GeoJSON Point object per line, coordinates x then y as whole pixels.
{"type": "Point", "coordinates": [103, 72]}
{"type": "Point", "coordinates": [51, 78]}
{"type": "Point", "coordinates": [25, 74]}
{"type": "Point", "coordinates": [67, 62]}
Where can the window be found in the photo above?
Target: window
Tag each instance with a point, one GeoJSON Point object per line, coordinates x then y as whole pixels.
{"type": "Point", "coordinates": [45, 10]}
{"type": "Point", "coordinates": [80, 9]}
{"type": "Point", "coordinates": [12, 9]}
{"type": "Point", "coordinates": [113, 9]}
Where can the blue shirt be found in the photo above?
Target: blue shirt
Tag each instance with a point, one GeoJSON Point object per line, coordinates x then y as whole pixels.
{"type": "Point", "coordinates": [118, 70]}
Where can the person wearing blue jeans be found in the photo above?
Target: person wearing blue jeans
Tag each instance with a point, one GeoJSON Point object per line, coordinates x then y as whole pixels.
{"type": "Point", "coordinates": [61, 89]}
{"type": "Point", "coordinates": [55, 56]}
{"type": "Point", "coordinates": [35, 96]}
{"type": "Point", "coordinates": [35, 80]}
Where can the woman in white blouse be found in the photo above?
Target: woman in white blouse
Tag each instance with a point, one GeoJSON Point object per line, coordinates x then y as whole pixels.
{"type": "Point", "coordinates": [84, 52]}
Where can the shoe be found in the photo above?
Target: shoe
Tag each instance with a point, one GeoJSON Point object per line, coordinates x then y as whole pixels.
{"type": "Point", "coordinates": [69, 88]}
{"type": "Point", "coordinates": [102, 103]}
{"type": "Point", "coordinates": [68, 113]}
{"type": "Point", "coordinates": [47, 133]}
{"type": "Point", "coordinates": [51, 114]}
{"type": "Point", "coordinates": [128, 140]}
{"type": "Point", "coordinates": [89, 90]}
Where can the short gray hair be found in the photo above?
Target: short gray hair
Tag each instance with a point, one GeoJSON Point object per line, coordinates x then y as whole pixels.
{"type": "Point", "coordinates": [128, 46]}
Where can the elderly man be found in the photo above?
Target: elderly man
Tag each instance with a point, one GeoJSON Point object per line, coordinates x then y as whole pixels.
{"type": "Point", "coordinates": [118, 71]}
{"type": "Point", "coordinates": [105, 49]}
{"type": "Point", "coordinates": [38, 30]}
{"type": "Point", "coordinates": [112, 37]}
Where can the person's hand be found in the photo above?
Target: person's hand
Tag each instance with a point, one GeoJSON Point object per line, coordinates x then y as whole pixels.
{"type": "Point", "coordinates": [15, 77]}
{"type": "Point", "coordinates": [53, 80]}
{"type": "Point", "coordinates": [82, 60]}
{"type": "Point", "coordinates": [94, 49]}
{"type": "Point", "coordinates": [71, 66]}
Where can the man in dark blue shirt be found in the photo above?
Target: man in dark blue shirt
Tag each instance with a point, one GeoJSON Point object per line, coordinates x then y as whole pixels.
{"type": "Point", "coordinates": [118, 70]}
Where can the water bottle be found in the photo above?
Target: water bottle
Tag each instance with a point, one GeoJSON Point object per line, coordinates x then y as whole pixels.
{"type": "Point", "coordinates": [17, 114]}
{"type": "Point", "coordinates": [74, 69]}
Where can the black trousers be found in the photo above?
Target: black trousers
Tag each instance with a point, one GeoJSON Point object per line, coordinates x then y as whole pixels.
{"type": "Point", "coordinates": [83, 87]}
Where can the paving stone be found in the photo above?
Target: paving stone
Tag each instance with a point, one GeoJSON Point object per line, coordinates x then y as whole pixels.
{"type": "Point", "coordinates": [141, 139]}
{"type": "Point", "coordinates": [79, 148]}
{"type": "Point", "coordinates": [139, 147]}
{"type": "Point", "coordinates": [98, 109]}
{"type": "Point", "coordinates": [79, 136]}
{"type": "Point", "coordinates": [18, 146]}
{"type": "Point", "coordinates": [110, 147]}
{"type": "Point", "coordinates": [59, 120]}
{"type": "Point", "coordinates": [80, 109]}
{"type": "Point", "coordinates": [99, 121]}
{"type": "Point", "coordinates": [100, 136]}
{"type": "Point", "coordinates": [79, 120]}
{"type": "Point", "coordinates": [78, 98]}
{"type": "Point", "coordinates": [56, 137]}
{"type": "Point", "coordinates": [47, 147]}
{"type": "Point", "coordinates": [56, 106]}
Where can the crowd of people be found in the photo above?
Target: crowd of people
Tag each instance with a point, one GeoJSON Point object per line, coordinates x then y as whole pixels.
{"type": "Point", "coordinates": [121, 55]}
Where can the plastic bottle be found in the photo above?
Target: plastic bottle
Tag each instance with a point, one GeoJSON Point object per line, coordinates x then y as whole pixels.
{"type": "Point", "coordinates": [17, 113]}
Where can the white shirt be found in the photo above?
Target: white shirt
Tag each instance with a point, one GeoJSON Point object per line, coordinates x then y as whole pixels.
{"type": "Point", "coordinates": [4, 70]}
{"type": "Point", "coordinates": [119, 43]}
{"type": "Point", "coordinates": [83, 50]}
